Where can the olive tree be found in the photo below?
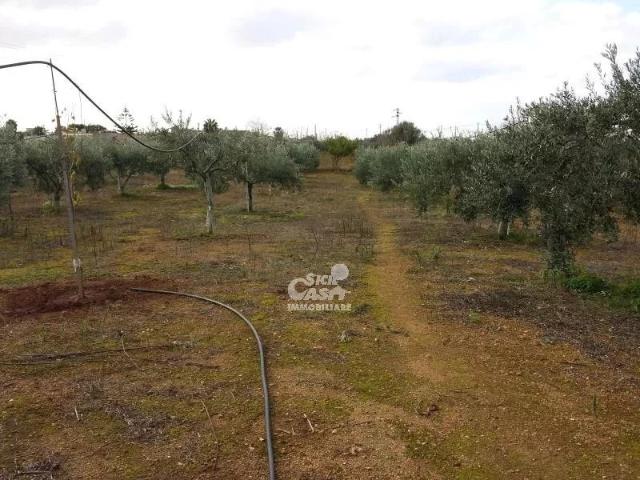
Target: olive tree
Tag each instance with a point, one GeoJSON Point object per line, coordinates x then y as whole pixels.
{"type": "Point", "coordinates": [572, 175]}
{"type": "Point", "coordinates": [621, 109]}
{"type": "Point", "coordinates": [126, 160]}
{"type": "Point", "coordinates": [496, 183]}
{"type": "Point", "coordinates": [160, 164]}
{"type": "Point", "coordinates": [93, 166]}
{"type": "Point", "coordinates": [382, 166]}
{"type": "Point", "coordinates": [207, 157]}
{"type": "Point", "coordinates": [434, 171]}
{"type": "Point", "coordinates": [11, 162]}
{"type": "Point", "coordinates": [365, 156]}
{"type": "Point", "coordinates": [304, 154]}
{"type": "Point", "coordinates": [42, 159]}
{"type": "Point", "coordinates": [263, 160]}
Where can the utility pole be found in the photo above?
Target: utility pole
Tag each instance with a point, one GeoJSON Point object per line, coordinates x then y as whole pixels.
{"type": "Point", "coordinates": [396, 112]}
{"type": "Point", "coordinates": [64, 158]}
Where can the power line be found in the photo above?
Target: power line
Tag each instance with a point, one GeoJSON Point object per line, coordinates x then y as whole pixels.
{"type": "Point", "coordinates": [122, 129]}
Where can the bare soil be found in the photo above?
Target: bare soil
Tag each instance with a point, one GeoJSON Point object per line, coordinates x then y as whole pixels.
{"type": "Point", "coordinates": [56, 297]}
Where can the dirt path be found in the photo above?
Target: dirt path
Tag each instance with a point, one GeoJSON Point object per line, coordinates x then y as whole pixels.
{"type": "Point", "coordinates": [505, 404]}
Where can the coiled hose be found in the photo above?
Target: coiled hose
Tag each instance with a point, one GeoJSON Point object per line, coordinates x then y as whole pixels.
{"type": "Point", "coordinates": [263, 367]}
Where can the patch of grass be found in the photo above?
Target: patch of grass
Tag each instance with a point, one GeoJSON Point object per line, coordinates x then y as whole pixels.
{"type": "Point", "coordinates": [379, 384]}
{"type": "Point", "coordinates": [474, 317]}
{"type": "Point", "coordinates": [586, 283]}
{"type": "Point", "coordinates": [361, 309]}
{"type": "Point", "coordinates": [425, 258]}
{"type": "Point", "coordinates": [524, 237]}
{"type": "Point", "coordinates": [624, 295]}
{"type": "Point", "coordinates": [443, 452]}
{"type": "Point", "coordinates": [420, 443]}
{"type": "Point", "coordinates": [627, 295]}
{"type": "Point", "coordinates": [166, 186]}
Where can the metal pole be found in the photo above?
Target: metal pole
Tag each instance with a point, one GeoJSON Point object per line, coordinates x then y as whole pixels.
{"type": "Point", "coordinates": [68, 194]}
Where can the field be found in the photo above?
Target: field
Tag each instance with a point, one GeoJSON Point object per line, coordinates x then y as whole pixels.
{"type": "Point", "coordinates": [458, 359]}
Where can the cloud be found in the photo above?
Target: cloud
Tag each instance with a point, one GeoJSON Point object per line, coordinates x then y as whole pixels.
{"type": "Point", "coordinates": [460, 72]}
{"type": "Point", "coordinates": [439, 35]}
{"type": "Point", "coordinates": [50, 3]}
{"type": "Point", "coordinates": [109, 33]}
{"type": "Point", "coordinates": [273, 27]}
{"type": "Point", "coordinates": [452, 35]}
{"type": "Point", "coordinates": [25, 35]}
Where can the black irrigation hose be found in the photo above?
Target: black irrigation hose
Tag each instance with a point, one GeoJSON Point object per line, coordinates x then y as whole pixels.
{"type": "Point", "coordinates": [122, 129]}
{"type": "Point", "coordinates": [263, 367]}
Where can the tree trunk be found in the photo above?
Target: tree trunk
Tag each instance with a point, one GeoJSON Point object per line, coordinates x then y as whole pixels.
{"type": "Point", "coordinates": [249, 197]}
{"type": "Point", "coordinates": [56, 200]}
{"type": "Point", "coordinates": [10, 206]}
{"type": "Point", "coordinates": [120, 185]}
{"type": "Point", "coordinates": [559, 253]}
{"type": "Point", "coordinates": [208, 191]}
{"type": "Point", "coordinates": [162, 179]}
{"type": "Point", "coordinates": [504, 228]}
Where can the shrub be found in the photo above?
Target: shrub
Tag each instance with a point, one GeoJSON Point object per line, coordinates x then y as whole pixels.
{"type": "Point", "coordinates": [586, 283]}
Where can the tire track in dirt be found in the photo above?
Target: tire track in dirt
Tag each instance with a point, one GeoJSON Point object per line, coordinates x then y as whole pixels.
{"type": "Point", "coordinates": [401, 305]}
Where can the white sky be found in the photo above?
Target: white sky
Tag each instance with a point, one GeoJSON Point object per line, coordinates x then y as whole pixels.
{"type": "Point", "coordinates": [338, 64]}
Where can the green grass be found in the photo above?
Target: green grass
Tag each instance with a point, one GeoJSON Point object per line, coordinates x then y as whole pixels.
{"type": "Point", "coordinates": [587, 283]}
{"type": "Point", "coordinates": [620, 295]}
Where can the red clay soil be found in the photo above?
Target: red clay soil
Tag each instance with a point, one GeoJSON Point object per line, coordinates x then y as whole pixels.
{"type": "Point", "coordinates": [55, 297]}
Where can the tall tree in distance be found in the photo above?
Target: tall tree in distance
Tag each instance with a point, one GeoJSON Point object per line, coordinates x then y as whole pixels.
{"type": "Point", "coordinates": [127, 121]}
{"type": "Point", "coordinates": [340, 147]}
{"type": "Point", "coordinates": [210, 126]}
{"type": "Point", "coordinates": [278, 134]}
{"type": "Point", "coordinates": [37, 131]}
{"type": "Point", "coordinates": [403, 132]}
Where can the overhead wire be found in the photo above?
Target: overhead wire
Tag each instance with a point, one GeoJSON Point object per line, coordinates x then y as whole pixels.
{"type": "Point", "coordinates": [124, 130]}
